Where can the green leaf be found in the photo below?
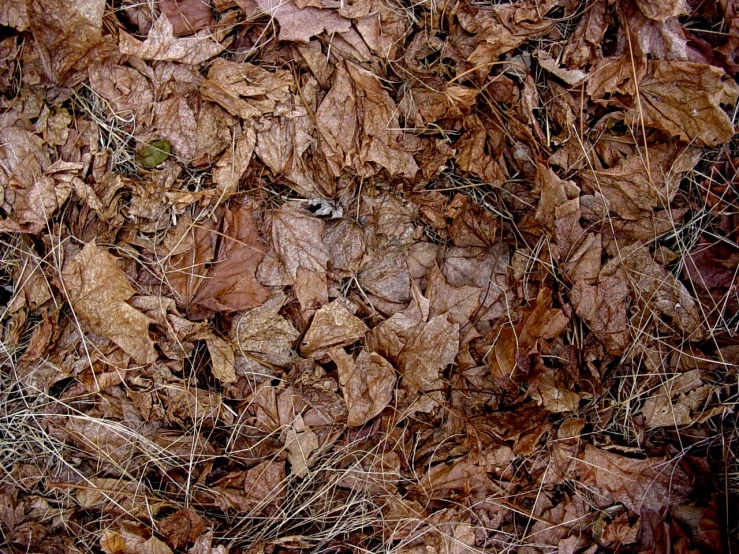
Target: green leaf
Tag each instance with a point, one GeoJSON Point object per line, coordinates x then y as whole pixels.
{"type": "Point", "coordinates": [155, 153]}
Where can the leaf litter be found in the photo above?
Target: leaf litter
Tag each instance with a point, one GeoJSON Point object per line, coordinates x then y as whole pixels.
{"type": "Point", "coordinates": [318, 276]}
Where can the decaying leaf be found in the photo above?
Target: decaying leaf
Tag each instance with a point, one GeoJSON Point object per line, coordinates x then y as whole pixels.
{"type": "Point", "coordinates": [300, 24]}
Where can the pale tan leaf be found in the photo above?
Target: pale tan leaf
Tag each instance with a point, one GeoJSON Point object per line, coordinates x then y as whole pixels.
{"type": "Point", "coordinates": [265, 335]}
{"type": "Point", "coordinates": [367, 384]}
{"type": "Point", "coordinates": [296, 236]}
{"type": "Point", "coordinates": [333, 325]}
{"type": "Point", "coordinates": [221, 358]}
{"type": "Point", "coordinates": [301, 24]}
{"type": "Point", "coordinates": [97, 292]}
{"type": "Point", "coordinates": [299, 447]}
{"type": "Point", "coordinates": [233, 163]}
{"type": "Point", "coordinates": [161, 44]}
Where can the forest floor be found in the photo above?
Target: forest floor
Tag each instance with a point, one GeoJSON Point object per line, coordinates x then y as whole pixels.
{"type": "Point", "coordinates": [369, 276]}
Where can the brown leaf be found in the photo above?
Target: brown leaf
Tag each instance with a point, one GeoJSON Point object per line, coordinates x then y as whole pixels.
{"type": "Point", "coordinates": [187, 16]}
{"type": "Point", "coordinates": [333, 325]}
{"type": "Point", "coordinates": [221, 358]}
{"type": "Point", "coordinates": [472, 156]}
{"type": "Point", "coordinates": [656, 289]}
{"type": "Point", "coordinates": [245, 90]}
{"type": "Point", "coordinates": [585, 44]}
{"type": "Point", "coordinates": [428, 351]}
{"type": "Point", "coordinates": [235, 252]}
{"type": "Point", "coordinates": [265, 335]}
{"type": "Point", "coordinates": [161, 44]}
{"type": "Point", "coordinates": [662, 10]}
{"type": "Point", "coordinates": [662, 40]}
{"type": "Point", "coordinates": [176, 123]}
{"type": "Point", "coordinates": [649, 484]}
{"type": "Point", "coordinates": [65, 32]}
{"type": "Point", "coordinates": [296, 236]}
{"type": "Point", "coordinates": [233, 163]}
{"type": "Point", "coordinates": [632, 191]}
{"type": "Point", "coordinates": [14, 13]}
{"type": "Point", "coordinates": [182, 527]}
{"type": "Point", "coordinates": [684, 99]}
{"type": "Point", "coordinates": [367, 384]}
{"type": "Point", "coordinates": [603, 307]}
{"type": "Point", "coordinates": [299, 446]}
{"type": "Point", "coordinates": [301, 24]}
{"type": "Point", "coordinates": [97, 291]}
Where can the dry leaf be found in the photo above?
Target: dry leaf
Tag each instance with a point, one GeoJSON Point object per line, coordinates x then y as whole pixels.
{"type": "Point", "coordinates": [367, 384]}
{"type": "Point", "coordinates": [265, 335]}
{"type": "Point", "coordinates": [684, 99]}
{"type": "Point", "coordinates": [162, 45]}
{"type": "Point", "coordinates": [333, 325]}
{"type": "Point", "coordinates": [221, 358]}
{"type": "Point", "coordinates": [187, 16]}
{"type": "Point", "coordinates": [97, 292]}
{"type": "Point", "coordinates": [301, 24]}
{"type": "Point", "coordinates": [649, 484]}
{"type": "Point", "coordinates": [230, 284]}
{"type": "Point", "coordinates": [296, 235]}
{"type": "Point", "coordinates": [299, 446]}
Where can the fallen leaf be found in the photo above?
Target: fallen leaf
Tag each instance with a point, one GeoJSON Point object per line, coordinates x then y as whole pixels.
{"type": "Point", "coordinates": [333, 325]}
{"type": "Point", "coordinates": [64, 32]}
{"type": "Point", "coordinates": [234, 251]}
{"type": "Point", "coordinates": [187, 16]}
{"type": "Point", "coordinates": [684, 100]}
{"type": "Point", "coordinates": [182, 527]}
{"type": "Point", "coordinates": [265, 335]}
{"type": "Point", "coordinates": [649, 484]}
{"type": "Point", "coordinates": [97, 291]}
{"type": "Point", "coordinates": [299, 446]}
{"type": "Point", "coordinates": [162, 45]}
{"type": "Point", "coordinates": [367, 383]}
{"type": "Point", "coordinates": [296, 236]}
{"type": "Point", "coordinates": [301, 24]}
{"type": "Point", "coordinates": [221, 358]}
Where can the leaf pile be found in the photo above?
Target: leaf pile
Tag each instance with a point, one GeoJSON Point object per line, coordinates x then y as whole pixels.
{"type": "Point", "coordinates": [368, 276]}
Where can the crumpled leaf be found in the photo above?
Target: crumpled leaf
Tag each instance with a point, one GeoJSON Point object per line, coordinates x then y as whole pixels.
{"type": "Point", "coordinates": [333, 325]}
{"type": "Point", "coordinates": [640, 485]}
{"type": "Point", "coordinates": [182, 527]}
{"type": "Point", "coordinates": [656, 289]}
{"type": "Point", "coordinates": [233, 163]}
{"type": "Point", "coordinates": [301, 24]}
{"type": "Point", "coordinates": [299, 446]}
{"type": "Point", "coordinates": [603, 307]}
{"type": "Point", "coordinates": [633, 192]}
{"type": "Point", "coordinates": [296, 237]}
{"type": "Point", "coordinates": [97, 291]}
{"type": "Point", "coordinates": [235, 251]}
{"type": "Point", "coordinates": [245, 90]}
{"type": "Point", "coordinates": [162, 45]}
{"type": "Point", "coordinates": [663, 9]}
{"type": "Point", "coordinates": [684, 100]}
{"type": "Point", "coordinates": [64, 31]}
{"type": "Point", "coordinates": [367, 384]}
{"type": "Point", "coordinates": [187, 16]}
{"type": "Point", "coordinates": [265, 335]}
{"type": "Point", "coordinates": [221, 358]}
